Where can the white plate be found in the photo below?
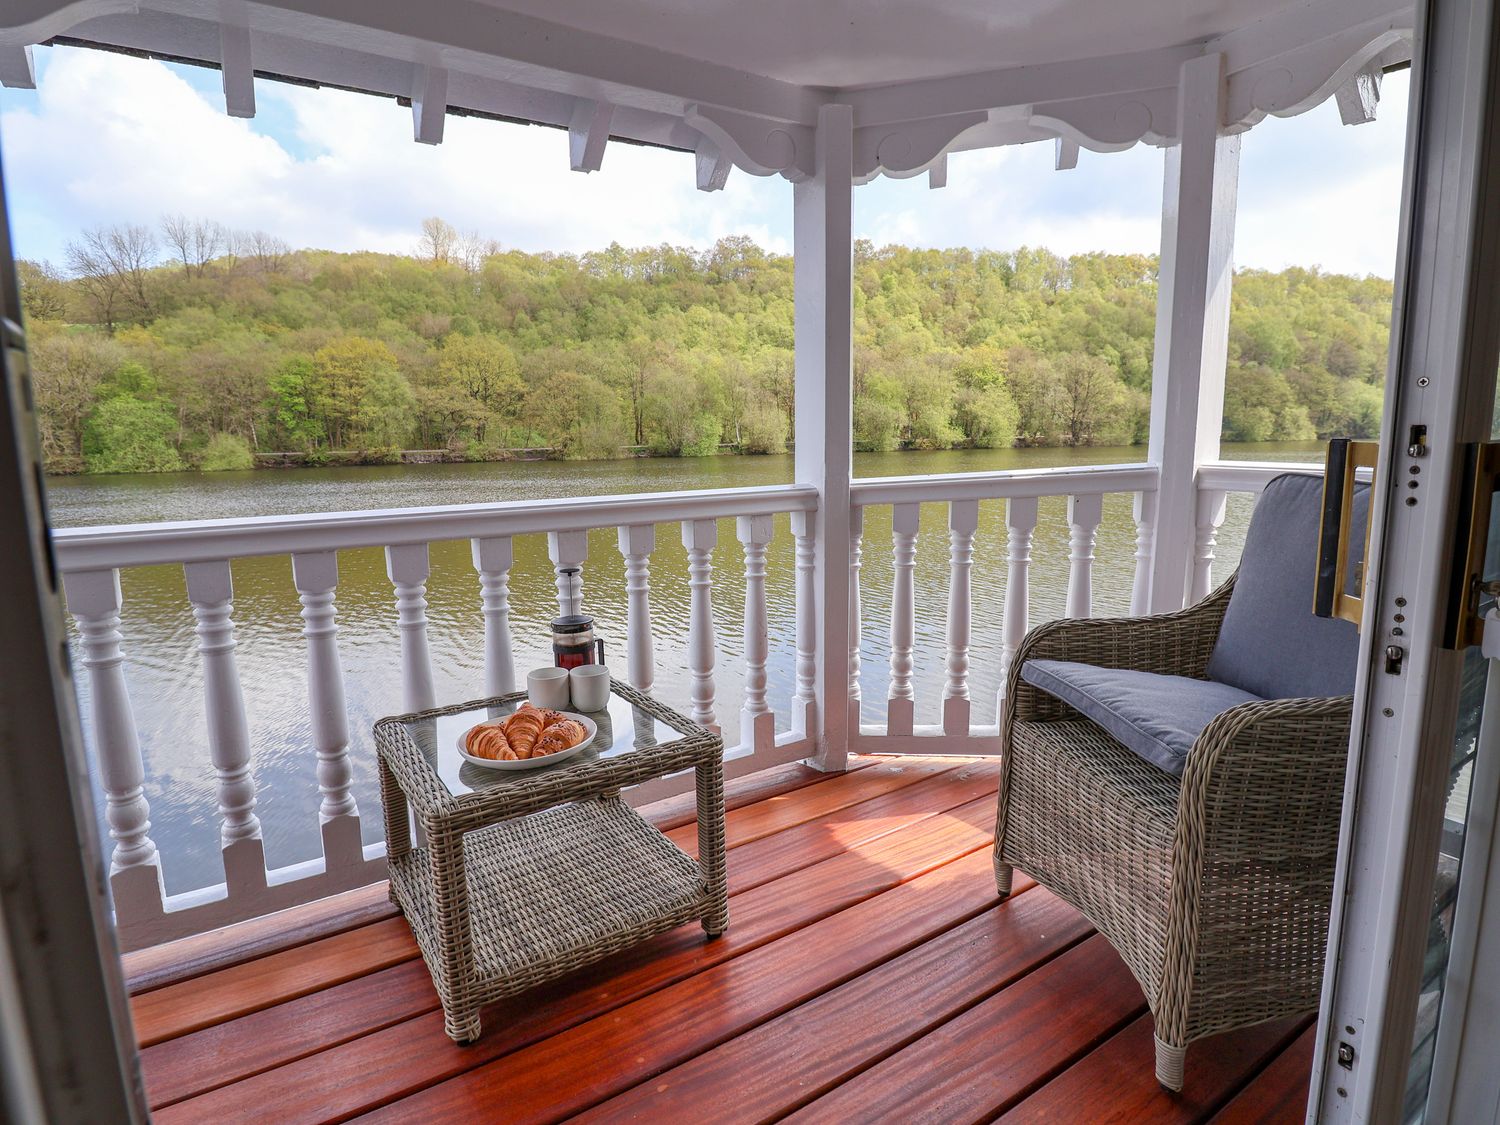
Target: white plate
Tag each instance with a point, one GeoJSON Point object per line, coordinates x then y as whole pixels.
{"type": "Point", "coordinates": [590, 727]}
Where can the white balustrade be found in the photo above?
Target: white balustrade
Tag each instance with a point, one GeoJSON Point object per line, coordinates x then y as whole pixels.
{"type": "Point", "coordinates": [637, 541]}
{"type": "Point", "coordinates": [1210, 515]}
{"type": "Point", "coordinates": [900, 704]}
{"type": "Point", "coordinates": [805, 694]}
{"type": "Point", "coordinates": [569, 550]}
{"type": "Point", "coordinates": [699, 538]}
{"type": "Point", "coordinates": [757, 723]}
{"type": "Point", "coordinates": [856, 551]}
{"type": "Point", "coordinates": [1020, 523]}
{"type": "Point", "coordinates": [1143, 509]}
{"type": "Point", "coordinates": [211, 591]}
{"type": "Point", "coordinates": [963, 523]}
{"type": "Point", "coordinates": [1084, 513]}
{"type": "Point", "coordinates": [493, 558]}
{"type": "Point", "coordinates": [407, 567]}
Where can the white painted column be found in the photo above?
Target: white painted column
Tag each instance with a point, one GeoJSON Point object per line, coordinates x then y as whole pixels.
{"type": "Point", "coordinates": [804, 697]}
{"type": "Point", "coordinates": [1192, 317]}
{"type": "Point", "coordinates": [1084, 513]}
{"type": "Point", "coordinates": [211, 590]}
{"type": "Point", "coordinates": [1210, 515]}
{"type": "Point", "coordinates": [568, 551]}
{"type": "Point", "coordinates": [822, 234]}
{"type": "Point", "coordinates": [700, 537]}
{"type": "Point", "coordinates": [901, 703]}
{"type": "Point", "coordinates": [1020, 523]}
{"type": "Point", "coordinates": [963, 523]}
{"type": "Point", "coordinates": [636, 544]}
{"type": "Point", "coordinates": [493, 559]}
{"type": "Point", "coordinates": [757, 723]}
{"type": "Point", "coordinates": [856, 551]}
{"type": "Point", "coordinates": [316, 577]}
{"type": "Point", "coordinates": [1143, 509]}
{"type": "Point", "coordinates": [94, 601]}
{"type": "Point", "coordinates": [407, 567]}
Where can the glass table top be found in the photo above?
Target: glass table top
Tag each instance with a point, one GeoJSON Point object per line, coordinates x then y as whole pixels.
{"type": "Point", "coordinates": [623, 727]}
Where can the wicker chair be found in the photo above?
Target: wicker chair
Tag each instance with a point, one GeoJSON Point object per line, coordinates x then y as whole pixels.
{"type": "Point", "coordinates": [1213, 886]}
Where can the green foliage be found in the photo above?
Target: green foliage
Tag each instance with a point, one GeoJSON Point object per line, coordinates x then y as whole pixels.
{"type": "Point", "coordinates": [225, 453]}
{"type": "Point", "coordinates": [348, 358]}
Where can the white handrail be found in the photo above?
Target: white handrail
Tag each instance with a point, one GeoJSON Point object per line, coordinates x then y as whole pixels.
{"type": "Point", "coordinates": [1016, 484]}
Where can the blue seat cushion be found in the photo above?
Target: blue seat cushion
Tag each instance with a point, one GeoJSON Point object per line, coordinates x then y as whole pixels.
{"type": "Point", "coordinates": [1159, 717]}
{"type": "Point", "coordinates": [1271, 643]}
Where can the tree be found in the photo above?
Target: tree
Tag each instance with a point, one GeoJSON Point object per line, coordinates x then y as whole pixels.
{"type": "Point", "coordinates": [341, 373]}
{"type": "Point", "coordinates": [196, 241]}
{"type": "Point", "coordinates": [578, 415]}
{"type": "Point", "coordinates": [113, 266]}
{"type": "Point", "coordinates": [66, 374]}
{"type": "Point", "coordinates": [387, 409]}
{"type": "Point", "coordinates": [483, 368]}
{"type": "Point", "coordinates": [130, 435]}
{"type": "Point", "coordinates": [440, 240]}
{"type": "Point", "coordinates": [44, 293]}
{"type": "Point", "coordinates": [1088, 398]}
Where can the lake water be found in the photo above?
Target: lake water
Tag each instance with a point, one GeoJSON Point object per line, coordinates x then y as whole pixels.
{"type": "Point", "coordinates": [166, 682]}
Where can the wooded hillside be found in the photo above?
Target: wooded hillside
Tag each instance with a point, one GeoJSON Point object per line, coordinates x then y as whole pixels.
{"type": "Point", "coordinates": [185, 344]}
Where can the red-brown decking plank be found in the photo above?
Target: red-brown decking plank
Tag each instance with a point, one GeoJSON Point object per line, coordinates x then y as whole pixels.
{"type": "Point", "coordinates": [277, 1035]}
{"type": "Point", "coordinates": [646, 1035]}
{"type": "Point", "coordinates": [203, 1001]}
{"type": "Point", "coordinates": [1277, 1094]}
{"type": "Point", "coordinates": [1117, 1080]}
{"type": "Point", "coordinates": [674, 812]}
{"type": "Point", "coordinates": [160, 965]}
{"type": "Point", "coordinates": [782, 1064]}
{"type": "Point", "coordinates": [776, 814]}
{"type": "Point", "coordinates": [999, 1050]}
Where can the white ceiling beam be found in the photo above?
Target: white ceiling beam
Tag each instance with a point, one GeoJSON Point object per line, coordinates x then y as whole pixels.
{"type": "Point", "coordinates": [712, 166]}
{"type": "Point", "coordinates": [429, 103]}
{"type": "Point", "coordinates": [1065, 154]}
{"type": "Point", "coordinates": [588, 133]}
{"type": "Point", "coordinates": [236, 70]}
{"type": "Point", "coordinates": [1359, 98]}
{"type": "Point", "coordinates": [16, 69]}
{"type": "Point", "coordinates": [937, 173]}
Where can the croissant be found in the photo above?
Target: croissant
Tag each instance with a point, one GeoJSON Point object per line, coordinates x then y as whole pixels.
{"type": "Point", "coordinates": [571, 730]}
{"type": "Point", "coordinates": [489, 741]}
{"type": "Point", "coordinates": [552, 741]}
{"type": "Point", "coordinates": [552, 718]}
{"type": "Point", "coordinates": [522, 730]}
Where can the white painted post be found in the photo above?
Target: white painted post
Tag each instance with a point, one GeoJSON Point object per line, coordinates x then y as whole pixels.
{"type": "Point", "coordinates": [1192, 317]}
{"type": "Point", "coordinates": [1144, 510]}
{"type": "Point", "coordinates": [1210, 515]}
{"type": "Point", "coordinates": [636, 544]}
{"type": "Point", "coordinates": [856, 550]}
{"type": "Point", "coordinates": [407, 568]}
{"type": "Point", "coordinates": [568, 551]}
{"type": "Point", "coordinates": [316, 577]}
{"type": "Point", "coordinates": [493, 559]}
{"type": "Point", "coordinates": [804, 698]}
{"type": "Point", "coordinates": [700, 537]}
{"type": "Point", "coordinates": [900, 706]}
{"type": "Point", "coordinates": [757, 723]}
{"type": "Point", "coordinates": [1084, 513]}
{"type": "Point", "coordinates": [963, 523]}
{"type": "Point", "coordinates": [211, 590]}
{"type": "Point", "coordinates": [822, 235]}
{"type": "Point", "coordinates": [134, 866]}
{"type": "Point", "coordinates": [1020, 522]}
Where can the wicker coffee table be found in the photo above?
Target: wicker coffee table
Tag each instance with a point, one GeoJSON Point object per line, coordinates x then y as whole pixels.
{"type": "Point", "coordinates": [525, 876]}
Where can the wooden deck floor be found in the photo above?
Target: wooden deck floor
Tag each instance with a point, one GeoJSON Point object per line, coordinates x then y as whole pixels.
{"type": "Point", "coordinates": [868, 973]}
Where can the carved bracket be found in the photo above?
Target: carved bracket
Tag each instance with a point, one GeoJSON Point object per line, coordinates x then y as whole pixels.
{"type": "Point", "coordinates": [1300, 79]}
{"type": "Point", "coordinates": [761, 146]}
{"type": "Point", "coordinates": [909, 148]}
{"type": "Point", "coordinates": [1112, 122]}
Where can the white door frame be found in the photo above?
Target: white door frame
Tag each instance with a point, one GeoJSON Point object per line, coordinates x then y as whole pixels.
{"type": "Point", "coordinates": [1442, 376]}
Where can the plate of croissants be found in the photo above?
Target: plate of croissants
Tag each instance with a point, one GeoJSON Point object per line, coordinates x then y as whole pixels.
{"type": "Point", "coordinates": [529, 738]}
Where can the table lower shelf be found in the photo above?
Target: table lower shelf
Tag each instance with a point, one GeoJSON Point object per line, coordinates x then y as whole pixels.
{"type": "Point", "coordinates": [553, 891]}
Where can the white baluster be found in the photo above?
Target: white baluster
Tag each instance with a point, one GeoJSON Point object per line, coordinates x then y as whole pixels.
{"type": "Point", "coordinates": [856, 552]}
{"type": "Point", "coordinates": [1084, 513]}
{"type": "Point", "coordinates": [636, 544]}
{"type": "Point", "coordinates": [700, 537]}
{"type": "Point", "coordinates": [1144, 510]}
{"type": "Point", "coordinates": [211, 590]}
{"type": "Point", "coordinates": [963, 522]}
{"type": "Point", "coordinates": [493, 559]}
{"type": "Point", "coordinates": [901, 706]}
{"type": "Point", "coordinates": [407, 567]}
{"type": "Point", "coordinates": [1211, 504]}
{"type": "Point", "coordinates": [803, 698]}
{"type": "Point", "coordinates": [135, 866]}
{"type": "Point", "coordinates": [1020, 522]}
{"type": "Point", "coordinates": [757, 723]}
{"type": "Point", "coordinates": [568, 551]}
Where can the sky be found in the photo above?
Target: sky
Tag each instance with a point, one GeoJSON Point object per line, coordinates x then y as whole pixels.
{"type": "Point", "coordinates": [108, 139]}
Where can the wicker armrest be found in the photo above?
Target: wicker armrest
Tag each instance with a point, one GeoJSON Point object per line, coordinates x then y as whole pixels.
{"type": "Point", "coordinates": [1173, 644]}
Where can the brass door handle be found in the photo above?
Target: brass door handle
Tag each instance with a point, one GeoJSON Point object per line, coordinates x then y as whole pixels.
{"type": "Point", "coordinates": [1467, 588]}
{"type": "Point", "coordinates": [1331, 594]}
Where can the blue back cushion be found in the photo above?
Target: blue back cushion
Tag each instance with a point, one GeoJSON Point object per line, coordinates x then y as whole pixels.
{"type": "Point", "coordinates": [1272, 644]}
